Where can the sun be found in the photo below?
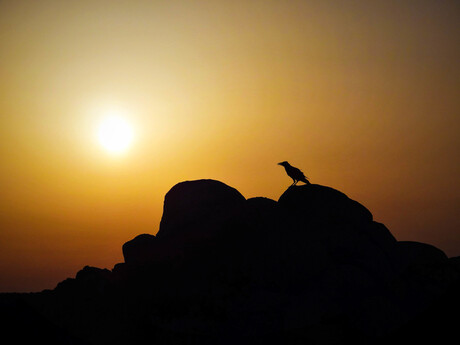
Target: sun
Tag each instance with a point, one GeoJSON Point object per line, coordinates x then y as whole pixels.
{"type": "Point", "coordinates": [115, 133]}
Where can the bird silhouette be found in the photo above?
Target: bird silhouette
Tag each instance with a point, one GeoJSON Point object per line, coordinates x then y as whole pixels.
{"type": "Point", "coordinates": [294, 173]}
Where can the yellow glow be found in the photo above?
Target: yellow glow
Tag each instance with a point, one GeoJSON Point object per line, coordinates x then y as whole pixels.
{"type": "Point", "coordinates": [115, 134]}
{"type": "Point", "coordinates": [361, 95]}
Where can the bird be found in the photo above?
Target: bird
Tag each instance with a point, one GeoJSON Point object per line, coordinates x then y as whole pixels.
{"type": "Point", "coordinates": [294, 173]}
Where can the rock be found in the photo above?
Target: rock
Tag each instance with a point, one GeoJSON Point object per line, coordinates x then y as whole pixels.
{"type": "Point", "coordinates": [93, 280]}
{"type": "Point", "coordinates": [119, 267]}
{"type": "Point", "coordinates": [263, 214]}
{"type": "Point", "coordinates": [326, 228]}
{"type": "Point", "coordinates": [140, 249]}
{"type": "Point", "coordinates": [424, 274]}
{"type": "Point", "coordinates": [381, 237]}
{"type": "Point", "coordinates": [323, 204]}
{"type": "Point", "coordinates": [67, 284]}
{"type": "Point", "coordinates": [89, 281]}
{"type": "Point", "coordinates": [199, 209]}
{"type": "Point", "coordinates": [455, 263]}
{"type": "Point", "coordinates": [419, 254]}
{"type": "Point", "coordinates": [89, 273]}
{"type": "Point", "coordinates": [311, 268]}
{"type": "Point", "coordinates": [262, 205]}
{"type": "Point", "coordinates": [21, 323]}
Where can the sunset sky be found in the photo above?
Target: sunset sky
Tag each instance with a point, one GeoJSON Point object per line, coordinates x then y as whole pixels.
{"type": "Point", "coordinates": [363, 96]}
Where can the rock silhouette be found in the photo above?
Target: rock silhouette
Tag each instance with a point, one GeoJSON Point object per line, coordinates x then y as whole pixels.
{"type": "Point", "coordinates": [199, 208]}
{"type": "Point", "coordinates": [141, 249]}
{"type": "Point", "coordinates": [312, 267]}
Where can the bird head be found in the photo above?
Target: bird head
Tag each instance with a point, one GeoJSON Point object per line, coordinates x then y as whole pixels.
{"type": "Point", "coordinates": [285, 163]}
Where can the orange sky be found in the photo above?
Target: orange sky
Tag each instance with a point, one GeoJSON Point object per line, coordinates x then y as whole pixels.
{"type": "Point", "coordinates": [362, 95]}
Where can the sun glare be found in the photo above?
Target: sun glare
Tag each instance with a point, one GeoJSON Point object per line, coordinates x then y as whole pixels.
{"type": "Point", "coordinates": [115, 134]}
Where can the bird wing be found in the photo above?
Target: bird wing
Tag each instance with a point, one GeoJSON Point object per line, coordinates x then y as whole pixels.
{"type": "Point", "coordinates": [299, 172]}
{"type": "Point", "coordinates": [296, 173]}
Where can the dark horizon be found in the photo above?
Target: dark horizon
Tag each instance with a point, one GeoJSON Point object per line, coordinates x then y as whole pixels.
{"type": "Point", "coordinates": [312, 267]}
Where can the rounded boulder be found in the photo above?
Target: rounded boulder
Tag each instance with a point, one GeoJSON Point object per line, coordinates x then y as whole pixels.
{"type": "Point", "coordinates": [200, 207]}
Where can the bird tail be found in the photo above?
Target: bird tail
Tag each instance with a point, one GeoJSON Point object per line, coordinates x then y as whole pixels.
{"type": "Point", "coordinates": [305, 180]}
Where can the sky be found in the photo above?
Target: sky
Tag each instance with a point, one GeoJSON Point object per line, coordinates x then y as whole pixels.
{"type": "Point", "coordinates": [363, 96]}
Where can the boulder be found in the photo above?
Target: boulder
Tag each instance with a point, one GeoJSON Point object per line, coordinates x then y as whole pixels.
{"type": "Point", "coordinates": [324, 227]}
{"type": "Point", "coordinates": [88, 281]}
{"type": "Point", "coordinates": [381, 237]}
{"type": "Point", "coordinates": [424, 274]}
{"type": "Point", "coordinates": [89, 273]}
{"type": "Point", "coordinates": [140, 249]}
{"type": "Point", "coordinates": [93, 280]}
{"type": "Point", "coordinates": [418, 255]}
{"type": "Point", "coordinates": [67, 284]}
{"type": "Point", "coordinates": [200, 208]}
{"type": "Point", "coordinates": [262, 205]}
{"type": "Point", "coordinates": [323, 204]}
{"type": "Point", "coordinates": [455, 263]}
{"type": "Point", "coordinates": [263, 214]}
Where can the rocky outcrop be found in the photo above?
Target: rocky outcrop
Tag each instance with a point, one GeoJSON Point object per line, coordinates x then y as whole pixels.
{"type": "Point", "coordinates": [312, 267]}
{"type": "Point", "coordinates": [88, 280]}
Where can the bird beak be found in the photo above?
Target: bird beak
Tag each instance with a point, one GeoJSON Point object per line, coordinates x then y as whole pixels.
{"type": "Point", "coordinates": [278, 163]}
